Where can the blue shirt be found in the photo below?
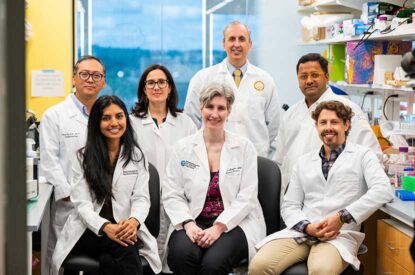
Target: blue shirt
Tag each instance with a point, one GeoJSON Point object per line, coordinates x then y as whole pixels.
{"type": "Point", "coordinates": [79, 105]}
{"type": "Point", "coordinates": [232, 68]}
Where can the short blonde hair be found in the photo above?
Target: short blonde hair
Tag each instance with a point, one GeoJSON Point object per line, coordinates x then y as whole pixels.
{"type": "Point", "coordinates": [217, 90]}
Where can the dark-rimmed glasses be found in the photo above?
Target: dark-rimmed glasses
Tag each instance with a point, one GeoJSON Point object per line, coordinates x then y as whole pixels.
{"type": "Point", "coordinates": [162, 83]}
{"type": "Point", "coordinates": [96, 76]}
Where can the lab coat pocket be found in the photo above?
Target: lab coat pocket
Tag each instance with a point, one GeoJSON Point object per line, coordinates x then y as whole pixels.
{"type": "Point", "coordinates": [126, 184]}
{"type": "Point", "coordinates": [256, 107]}
{"type": "Point", "coordinates": [191, 181]}
{"type": "Point", "coordinates": [347, 187]}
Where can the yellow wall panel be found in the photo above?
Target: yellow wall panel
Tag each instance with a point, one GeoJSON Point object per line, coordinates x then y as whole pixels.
{"type": "Point", "coordinates": [50, 47]}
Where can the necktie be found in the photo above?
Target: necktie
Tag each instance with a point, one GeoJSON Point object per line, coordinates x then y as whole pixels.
{"type": "Point", "coordinates": [237, 76]}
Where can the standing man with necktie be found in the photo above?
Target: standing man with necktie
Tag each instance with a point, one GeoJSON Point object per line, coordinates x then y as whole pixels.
{"type": "Point", "coordinates": [256, 111]}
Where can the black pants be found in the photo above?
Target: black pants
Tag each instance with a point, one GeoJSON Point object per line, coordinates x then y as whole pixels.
{"type": "Point", "coordinates": [113, 258]}
{"type": "Point", "coordinates": [185, 257]}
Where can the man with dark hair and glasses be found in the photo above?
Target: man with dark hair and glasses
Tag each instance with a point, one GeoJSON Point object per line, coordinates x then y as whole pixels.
{"type": "Point", "coordinates": [297, 134]}
{"type": "Point", "coordinates": [63, 131]}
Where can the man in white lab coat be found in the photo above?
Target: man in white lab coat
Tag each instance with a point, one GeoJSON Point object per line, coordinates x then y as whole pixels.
{"type": "Point", "coordinates": [297, 134]}
{"type": "Point", "coordinates": [63, 130]}
{"type": "Point", "coordinates": [332, 190]}
{"type": "Point", "coordinates": [256, 111]}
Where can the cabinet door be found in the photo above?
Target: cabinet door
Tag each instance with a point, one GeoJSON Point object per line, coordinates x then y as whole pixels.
{"type": "Point", "coordinates": [393, 246]}
{"type": "Point", "coordinates": [389, 267]}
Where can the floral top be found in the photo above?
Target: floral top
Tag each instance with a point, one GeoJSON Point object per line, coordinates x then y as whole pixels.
{"type": "Point", "coordinates": [213, 203]}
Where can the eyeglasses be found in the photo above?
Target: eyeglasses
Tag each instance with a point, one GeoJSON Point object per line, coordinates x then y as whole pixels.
{"type": "Point", "coordinates": [162, 83]}
{"type": "Point", "coordinates": [314, 76]}
{"type": "Point", "coordinates": [96, 76]}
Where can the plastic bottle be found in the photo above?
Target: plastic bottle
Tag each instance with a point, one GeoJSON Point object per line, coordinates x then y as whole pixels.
{"type": "Point", "coordinates": [403, 164]}
{"type": "Point", "coordinates": [383, 23]}
{"type": "Point", "coordinates": [403, 155]}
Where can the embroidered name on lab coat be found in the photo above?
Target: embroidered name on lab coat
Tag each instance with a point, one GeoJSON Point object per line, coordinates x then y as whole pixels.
{"type": "Point", "coordinates": [234, 170]}
{"type": "Point", "coordinates": [70, 135]}
{"type": "Point", "coordinates": [188, 164]}
{"type": "Point", "coordinates": [130, 172]}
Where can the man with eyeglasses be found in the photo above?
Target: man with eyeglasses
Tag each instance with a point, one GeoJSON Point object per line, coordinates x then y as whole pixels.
{"type": "Point", "coordinates": [63, 130]}
{"type": "Point", "coordinates": [256, 112]}
{"type": "Point", "coordinates": [297, 134]}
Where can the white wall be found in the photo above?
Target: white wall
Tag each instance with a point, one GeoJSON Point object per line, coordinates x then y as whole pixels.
{"type": "Point", "coordinates": [277, 50]}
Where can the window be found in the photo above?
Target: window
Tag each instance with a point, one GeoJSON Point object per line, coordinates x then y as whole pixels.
{"type": "Point", "coordinates": [131, 35]}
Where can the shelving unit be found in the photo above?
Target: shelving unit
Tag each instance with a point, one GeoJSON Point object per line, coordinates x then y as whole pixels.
{"type": "Point", "coordinates": [379, 89]}
{"type": "Point", "coordinates": [332, 4]}
{"type": "Point", "coordinates": [403, 33]}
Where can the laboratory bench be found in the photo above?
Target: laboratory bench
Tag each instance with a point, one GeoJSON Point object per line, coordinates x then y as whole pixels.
{"type": "Point", "coordinates": [38, 218]}
{"type": "Point", "coordinates": [389, 232]}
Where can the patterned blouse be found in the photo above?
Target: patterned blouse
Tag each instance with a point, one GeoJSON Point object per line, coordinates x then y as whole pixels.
{"type": "Point", "coordinates": [213, 203]}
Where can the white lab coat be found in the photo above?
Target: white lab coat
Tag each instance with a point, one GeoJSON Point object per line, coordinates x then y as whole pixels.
{"type": "Point", "coordinates": [187, 182]}
{"type": "Point", "coordinates": [256, 112]}
{"type": "Point", "coordinates": [298, 135]}
{"type": "Point", "coordinates": [356, 182]}
{"type": "Point", "coordinates": [63, 130]}
{"type": "Point", "coordinates": [131, 199]}
{"type": "Point", "coordinates": [156, 142]}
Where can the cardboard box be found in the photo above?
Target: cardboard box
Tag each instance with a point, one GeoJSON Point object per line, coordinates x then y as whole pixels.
{"type": "Point", "coordinates": [385, 63]}
{"type": "Point", "coordinates": [305, 2]}
{"type": "Point", "coordinates": [319, 33]}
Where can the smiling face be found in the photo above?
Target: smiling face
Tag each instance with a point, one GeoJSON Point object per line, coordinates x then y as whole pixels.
{"type": "Point", "coordinates": [236, 43]}
{"type": "Point", "coordinates": [312, 81]}
{"type": "Point", "coordinates": [88, 88]}
{"type": "Point", "coordinates": [113, 122]}
{"type": "Point", "coordinates": [331, 129]}
{"type": "Point", "coordinates": [215, 112]}
{"type": "Point", "coordinates": [154, 92]}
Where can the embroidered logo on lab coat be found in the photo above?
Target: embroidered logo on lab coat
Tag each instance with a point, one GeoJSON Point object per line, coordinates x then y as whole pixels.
{"type": "Point", "coordinates": [130, 172]}
{"type": "Point", "coordinates": [234, 171]}
{"type": "Point", "coordinates": [188, 164]}
{"type": "Point", "coordinates": [70, 135]}
{"type": "Point", "coordinates": [259, 85]}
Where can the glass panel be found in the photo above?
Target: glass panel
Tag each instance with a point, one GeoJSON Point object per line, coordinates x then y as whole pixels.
{"type": "Point", "coordinates": [131, 35]}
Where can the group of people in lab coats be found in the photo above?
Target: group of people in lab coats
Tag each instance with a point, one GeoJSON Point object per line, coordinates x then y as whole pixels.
{"type": "Point", "coordinates": [96, 155]}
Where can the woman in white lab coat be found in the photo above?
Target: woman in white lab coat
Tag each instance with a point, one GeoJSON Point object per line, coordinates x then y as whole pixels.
{"type": "Point", "coordinates": [111, 197]}
{"type": "Point", "coordinates": [210, 194]}
{"type": "Point", "coordinates": [159, 124]}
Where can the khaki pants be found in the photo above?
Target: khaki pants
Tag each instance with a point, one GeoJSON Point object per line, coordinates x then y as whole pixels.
{"type": "Point", "coordinates": [277, 255]}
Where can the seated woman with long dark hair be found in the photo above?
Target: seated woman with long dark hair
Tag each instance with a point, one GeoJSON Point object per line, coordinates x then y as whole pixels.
{"type": "Point", "coordinates": [111, 196]}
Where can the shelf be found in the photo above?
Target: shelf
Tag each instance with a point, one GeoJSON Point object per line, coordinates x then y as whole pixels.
{"type": "Point", "coordinates": [338, 4]}
{"type": "Point", "coordinates": [379, 90]}
{"type": "Point", "coordinates": [404, 32]}
{"type": "Point", "coordinates": [372, 87]}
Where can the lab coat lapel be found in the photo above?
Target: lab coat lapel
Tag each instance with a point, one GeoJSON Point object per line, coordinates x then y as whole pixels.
{"type": "Point", "coordinates": [118, 169]}
{"type": "Point", "coordinates": [339, 161]}
{"type": "Point", "coordinates": [199, 150]}
{"type": "Point", "coordinates": [316, 166]}
{"type": "Point", "coordinates": [74, 112]}
{"type": "Point", "coordinates": [149, 121]}
{"type": "Point", "coordinates": [226, 157]}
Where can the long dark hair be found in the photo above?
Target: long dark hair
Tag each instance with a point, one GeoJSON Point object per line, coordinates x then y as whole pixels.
{"type": "Point", "coordinates": [141, 106]}
{"type": "Point", "coordinates": [95, 158]}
